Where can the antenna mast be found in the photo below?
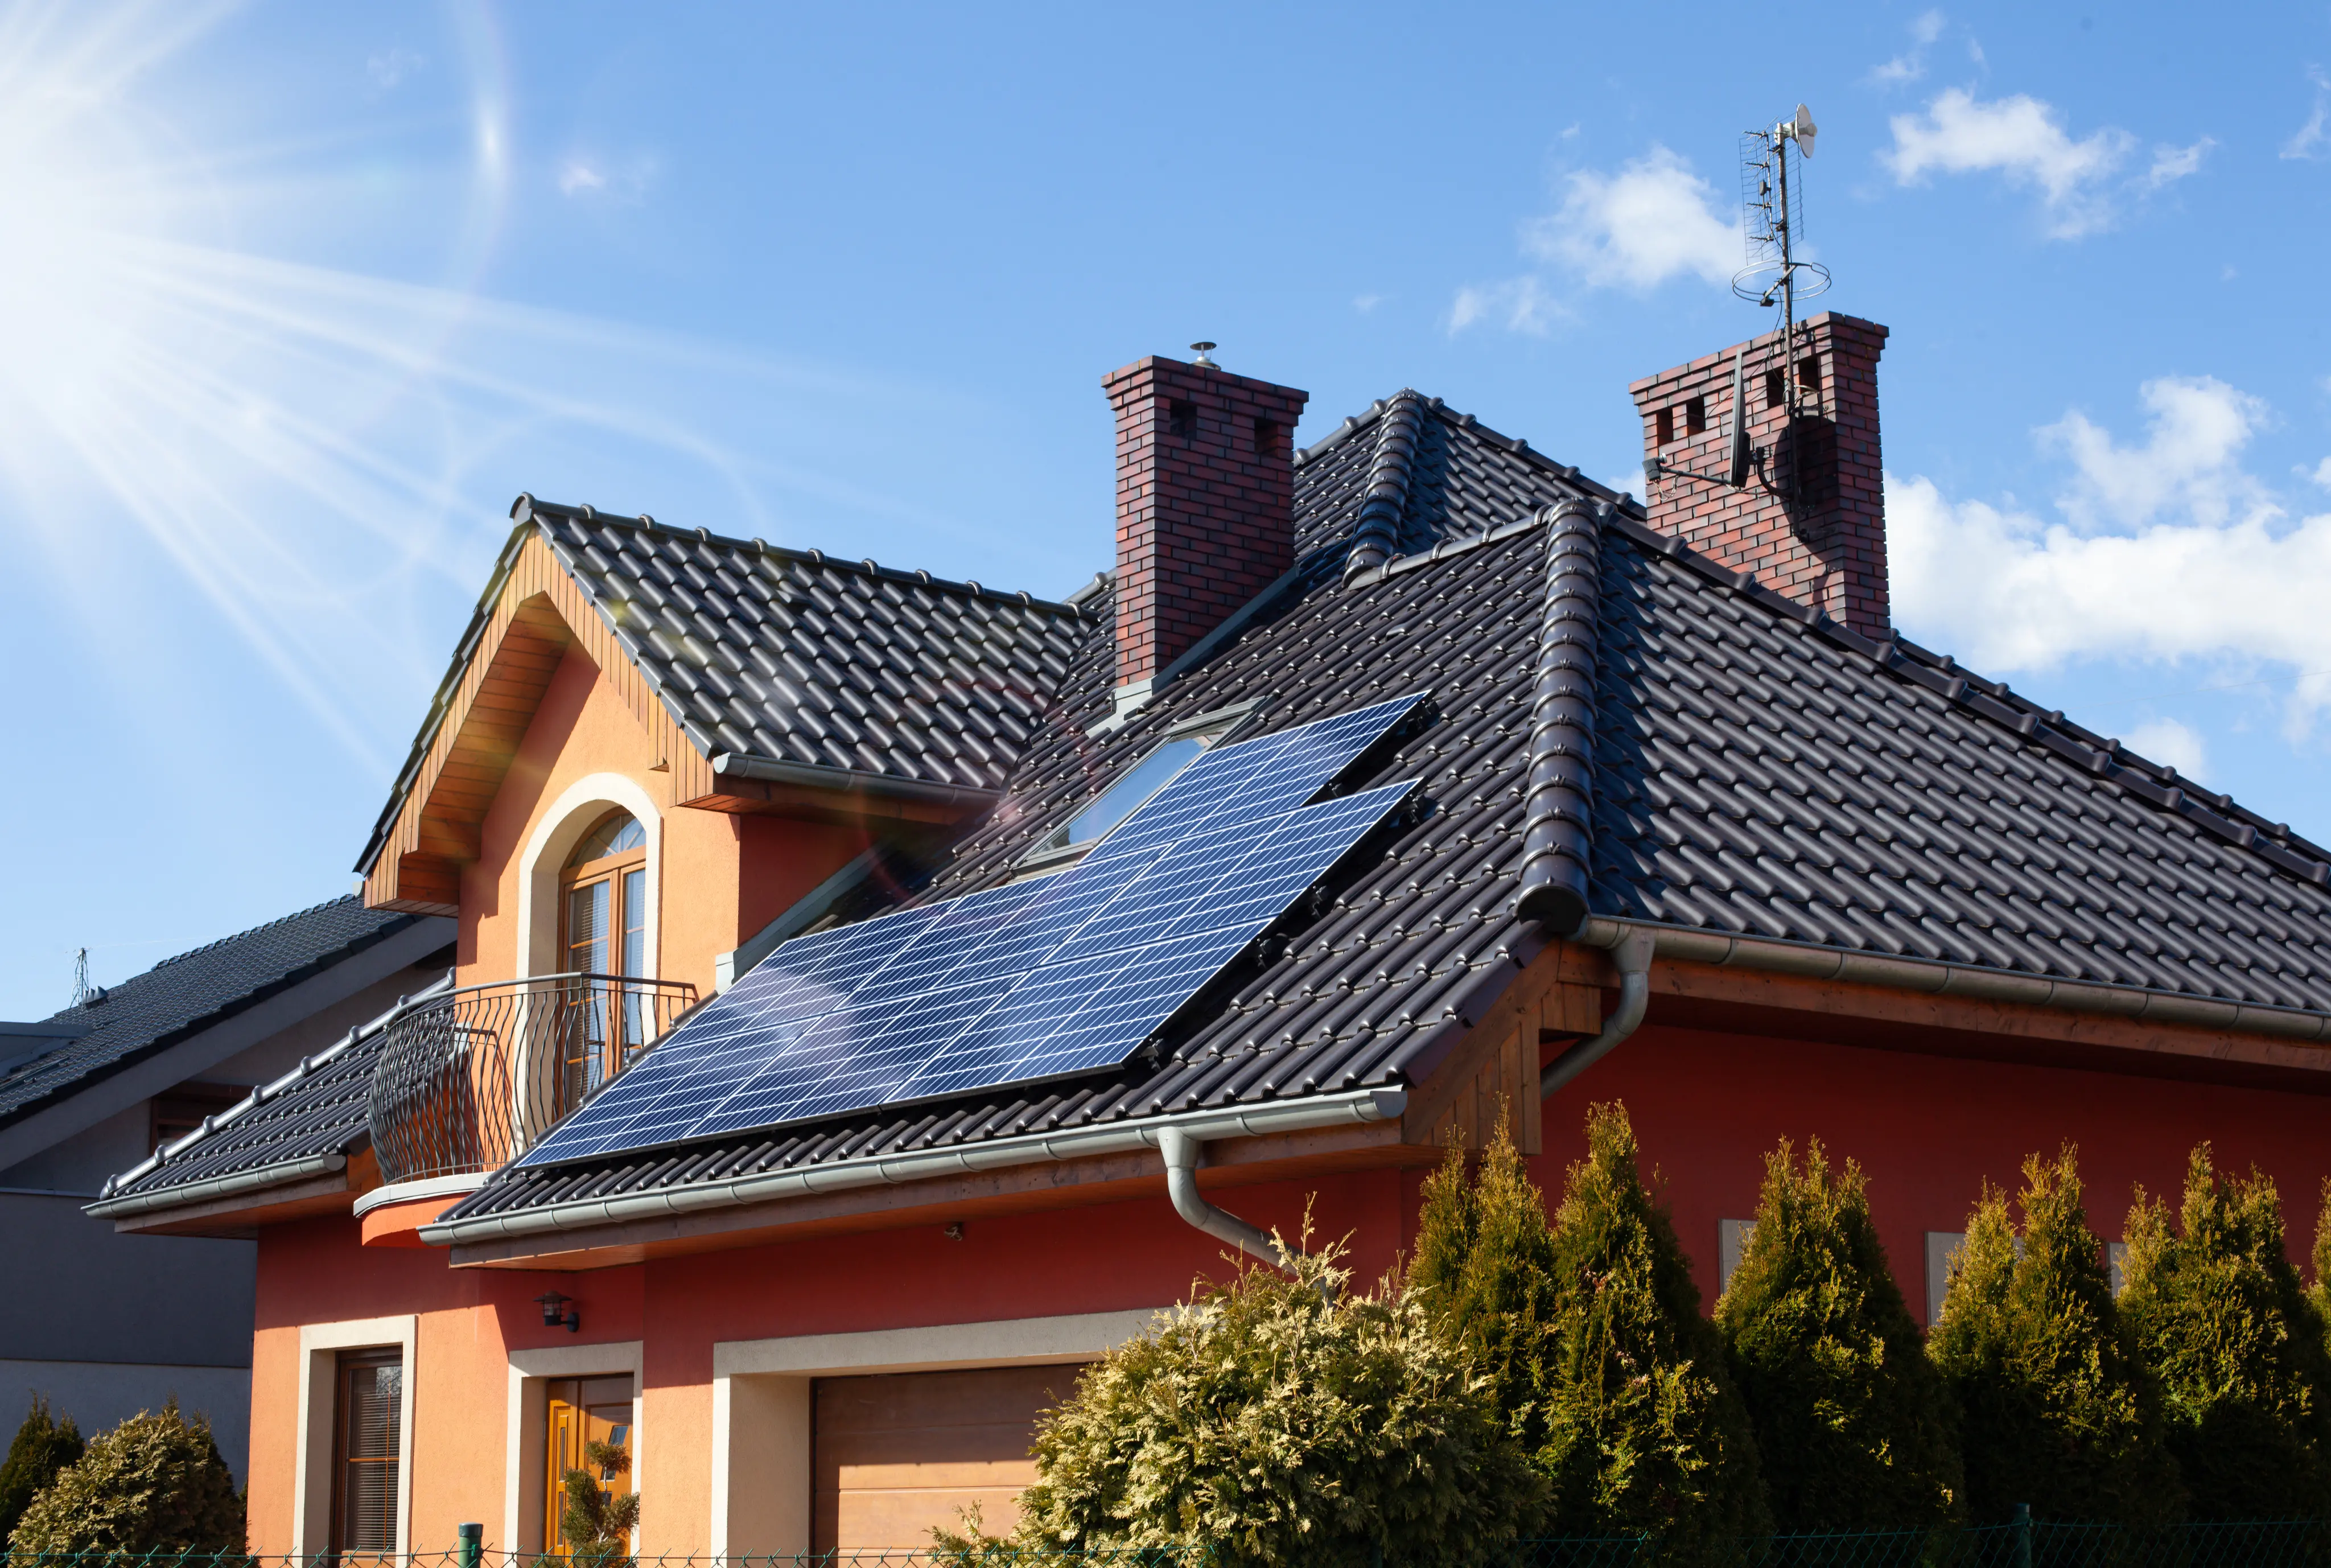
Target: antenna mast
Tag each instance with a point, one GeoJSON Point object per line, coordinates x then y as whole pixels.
{"type": "Point", "coordinates": [1773, 216]}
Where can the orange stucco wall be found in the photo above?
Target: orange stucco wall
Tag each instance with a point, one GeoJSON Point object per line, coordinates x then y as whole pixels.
{"type": "Point", "coordinates": [1705, 1106]}
{"type": "Point", "coordinates": [720, 878]}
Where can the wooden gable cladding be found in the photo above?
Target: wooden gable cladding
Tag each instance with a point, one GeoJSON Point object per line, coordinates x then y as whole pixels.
{"type": "Point", "coordinates": [538, 615]}
{"type": "Point", "coordinates": [1559, 997]}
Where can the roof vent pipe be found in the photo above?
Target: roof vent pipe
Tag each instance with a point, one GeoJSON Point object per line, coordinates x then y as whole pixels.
{"type": "Point", "coordinates": [1557, 835]}
{"type": "Point", "coordinates": [1183, 1153]}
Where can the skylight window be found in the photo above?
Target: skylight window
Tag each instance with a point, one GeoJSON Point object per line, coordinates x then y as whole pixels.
{"type": "Point", "coordinates": [1183, 746]}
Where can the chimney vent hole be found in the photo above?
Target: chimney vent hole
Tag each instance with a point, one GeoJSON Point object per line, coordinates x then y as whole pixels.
{"type": "Point", "coordinates": [1665, 419]}
{"type": "Point", "coordinates": [1182, 419]}
{"type": "Point", "coordinates": [1695, 414]}
{"type": "Point", "coordinates": [1776, 389]}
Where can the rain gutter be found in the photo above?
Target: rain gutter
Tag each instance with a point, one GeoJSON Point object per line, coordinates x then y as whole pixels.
{"type": "Point", "coordinates": [770, 770]}
{"type": "Point", "coordinates": [1364, 1106]}
{"type": "Point", "coordinates": [210, 1187]}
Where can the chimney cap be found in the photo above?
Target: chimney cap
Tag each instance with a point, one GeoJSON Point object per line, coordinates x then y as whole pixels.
{"type": "Point", "coordinates": [1203, 350]}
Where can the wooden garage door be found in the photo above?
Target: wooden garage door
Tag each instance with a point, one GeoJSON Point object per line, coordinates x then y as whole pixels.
{"type": "Point", "coordinates": [896, 1455]}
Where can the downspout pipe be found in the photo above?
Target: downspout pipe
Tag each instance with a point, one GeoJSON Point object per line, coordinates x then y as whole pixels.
{"type": "Point", "coordinates": [1630, 954]}
{"type": "Point", "coordinates": [1183, 1155]}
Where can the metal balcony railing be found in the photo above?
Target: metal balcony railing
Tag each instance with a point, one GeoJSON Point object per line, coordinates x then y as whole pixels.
{"type": "Point", "coordinates": [469, 1080]}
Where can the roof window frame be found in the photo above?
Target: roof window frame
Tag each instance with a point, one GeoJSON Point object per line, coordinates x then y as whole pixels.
{"type": "Point", "coordinates": [1216, 727]}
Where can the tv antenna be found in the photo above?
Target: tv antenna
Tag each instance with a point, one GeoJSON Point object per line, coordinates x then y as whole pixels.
{"type": "Point", "coordinates": [1773, 214]}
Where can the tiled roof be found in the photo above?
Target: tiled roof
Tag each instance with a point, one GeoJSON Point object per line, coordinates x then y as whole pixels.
{"type": "Point", "coordinates": [320, 1110]}
{"type": "Point", "coordinates": [184, 995]}
{"type": "Point", "coordinates": [795, 656]}
{"type": "Point", "coordinates": [1756, 773]}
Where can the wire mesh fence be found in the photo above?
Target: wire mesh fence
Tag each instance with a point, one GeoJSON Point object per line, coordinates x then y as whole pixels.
{"type": "Point", "coordinates": [2267, 1544]}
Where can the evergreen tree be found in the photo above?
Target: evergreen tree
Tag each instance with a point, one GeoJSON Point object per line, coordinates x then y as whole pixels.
{"type": "Point", "coordinates": [1484, 1270]}
{"type": "Point", "coordinates": [2221, 1321]}
{"type": "Point", "coordinates": [44, 1447]}
{"type": "Point", "coordinates": [1645, 1433]}
{"type": "Point", "coordinates": [1854, 1425]}
{"type": "Point", "coordinates": [2055, 1411]}
{"type": "Point", "coordinates": [156, 1483]}
{"type": "Point", "coordinates": [597, 1523]}
{"type": "Point", "coordinates": [1273, 1426]}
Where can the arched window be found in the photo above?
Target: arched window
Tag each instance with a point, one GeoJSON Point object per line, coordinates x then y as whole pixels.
{"type": "Point", "coordinates": [604, 899]}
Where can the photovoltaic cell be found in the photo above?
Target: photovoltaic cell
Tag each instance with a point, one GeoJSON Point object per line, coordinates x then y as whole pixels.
{"type": "Point", "coordinates": [1059, 974]}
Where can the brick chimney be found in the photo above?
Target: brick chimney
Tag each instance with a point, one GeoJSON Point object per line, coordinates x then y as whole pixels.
{"type": "Point", "coordinates": [1811, 522]}
{"type": "Point", "coordinates": [1205, 506]}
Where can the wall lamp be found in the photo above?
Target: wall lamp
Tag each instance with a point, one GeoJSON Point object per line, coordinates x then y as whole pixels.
{"type": "Point", "coordinates": [558, 1309]}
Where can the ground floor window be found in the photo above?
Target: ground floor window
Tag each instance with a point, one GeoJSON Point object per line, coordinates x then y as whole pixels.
{"type": "Point", "coordinates": [581, 1411]}
{"type": "Point", "coordinates": [366, 1436]}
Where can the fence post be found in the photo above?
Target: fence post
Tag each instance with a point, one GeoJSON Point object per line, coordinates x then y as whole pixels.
{"type": "Point", "coordinates": [2021, 1525]}
{"type": "Point", "coordinates": [472, 1539]}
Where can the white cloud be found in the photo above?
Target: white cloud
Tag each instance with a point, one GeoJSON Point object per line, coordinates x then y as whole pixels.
{"type": "Point", "coordinates": [1911, 64]}
{"type": "Point", "coordinates": [2178, 745]}
{"type": "Point", "coordinates": [2309, 139]}
{"type": "Point", "coordinates": [388, 67]}
{"type": "Point", "coordinates": [2197, 428]}
{"type": "Point", "coordinates": [1365, 304]}
{"type": "Point", "coordinates": [2171, 164]}
{"type": "Point", "coordinates": [594, 178]}
{"type": "Point", "coordinates": [2020, 137]}
{"type": "Point", "coordinates": [1518, 304]}
{"type": "Point", "coordinates": [2322, 474]}
{"type": "Point", "coordinates": [1650, 221]}
{"type": "Point", "coordinates": [2166, 550]}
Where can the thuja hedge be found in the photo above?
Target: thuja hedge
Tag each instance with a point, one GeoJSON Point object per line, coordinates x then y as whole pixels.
{"type": "Point", "coordinates": [1545, 1371]}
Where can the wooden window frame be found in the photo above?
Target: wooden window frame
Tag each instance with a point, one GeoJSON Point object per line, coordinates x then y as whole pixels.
{"type": "Point", "coordinates": [610, 869]}
{"type": "Point", "coordinates": [345, 1363]}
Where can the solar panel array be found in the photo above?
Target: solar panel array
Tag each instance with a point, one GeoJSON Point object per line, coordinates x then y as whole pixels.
{"type": "Point", "coordinates": [1058, 974]}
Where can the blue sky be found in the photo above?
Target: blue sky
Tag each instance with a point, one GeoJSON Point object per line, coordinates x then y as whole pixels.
{"type": "Point", "coordinates": [295, 300]}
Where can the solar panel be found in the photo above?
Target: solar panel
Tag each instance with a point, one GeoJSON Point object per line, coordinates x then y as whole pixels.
{"type": "Point", "coordinates": [1060, 974]}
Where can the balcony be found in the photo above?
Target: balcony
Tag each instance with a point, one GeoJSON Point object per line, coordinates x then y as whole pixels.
{"type": "Point", "coordinates": [469, 1080]}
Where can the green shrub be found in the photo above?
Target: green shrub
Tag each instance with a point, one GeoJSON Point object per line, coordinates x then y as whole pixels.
{"type": "Point", "coordinates": [43, 1448]}
{"type": "Point", "coordinates": [2055, 1411]}
{"type": "Point", "coordinates": [1484, 1270]}
{"type": "Point", "coordinates": [597, 1523]}
{"type": "Point", "coordinates": [2221, 1321]}
{"type": "Point", "coordinates": [156, 1483]}
{"type": "Point", "coordinates": [1854, 1425]}
{"type": "Point", "coordinates": [1645, 1433]}
{"type": "Point", "coordinates": [1273, 1426]}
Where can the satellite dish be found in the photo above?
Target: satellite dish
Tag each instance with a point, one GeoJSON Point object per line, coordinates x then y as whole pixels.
{"type": "Point", "coordinates": [1801, 130]}
{"type": "Point", "coordinates": [1737, 448]}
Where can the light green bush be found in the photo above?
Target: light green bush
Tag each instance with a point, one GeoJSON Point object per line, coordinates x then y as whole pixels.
{"type": "Point", "coordinates": [156, 1483]}
{"type": "Point", "coordinates": [1275, 1428]}
{"type": "Point", "coordinates": [2221, 1320]}
{"type": "Point", "coordinates": [597, 1523]}
{"type": "Point", "coordinates": [2055, 1410]}
{"type": "Point", "coordinates": [1854, 1424]}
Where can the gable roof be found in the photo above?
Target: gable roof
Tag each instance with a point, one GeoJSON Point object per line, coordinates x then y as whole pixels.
{"type": "Point", "coordinates": [769, 663]}
{"type": "Point", "coordinates": [1759, 772]}
{"type": "Point", "coordinates": [182, 996]}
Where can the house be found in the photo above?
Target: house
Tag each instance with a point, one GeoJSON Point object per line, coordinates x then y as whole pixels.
{"type": "Point", "coordinates": [795, 1124]}
{"type": "Point", "coordinates": [119, 1325]}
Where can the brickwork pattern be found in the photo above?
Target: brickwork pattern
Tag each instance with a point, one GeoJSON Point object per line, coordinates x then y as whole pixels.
{"type": "Point", "coordinates": [1812, 523]}
{"type": "Point", "coordinates": [1205, 507]}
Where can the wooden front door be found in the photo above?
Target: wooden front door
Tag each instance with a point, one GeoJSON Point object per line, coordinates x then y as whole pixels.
{"type": "Point", "coordinates": [581, 1411]}
{"type": "Point", "coordinates": [893, 1456]}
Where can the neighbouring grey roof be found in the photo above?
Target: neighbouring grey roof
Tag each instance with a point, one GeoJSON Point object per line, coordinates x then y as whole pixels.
{"type": "Point", "coordinates": [797, 656]}
{"type": "Point", "coordinates": [182, 996]}
{"type": "Point", "coordinates": [1757, 771]}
